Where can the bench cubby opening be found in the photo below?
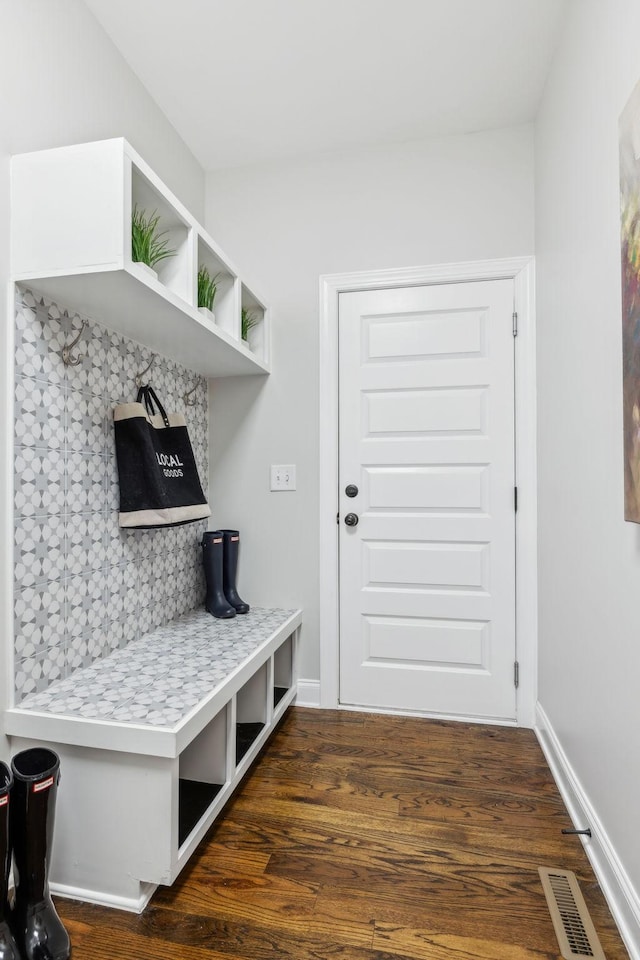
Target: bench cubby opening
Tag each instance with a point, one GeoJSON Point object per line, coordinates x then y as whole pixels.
{"type": "Point", "coordinates": [282, 671]}
{"type": "Point", "coordinates": [203, 771]}
{"type": "Point", "coordinates": [251, 712]}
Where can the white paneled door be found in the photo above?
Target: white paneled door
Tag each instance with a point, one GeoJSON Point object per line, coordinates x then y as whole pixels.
{"type": "Point", "coordinates": [427, 521]}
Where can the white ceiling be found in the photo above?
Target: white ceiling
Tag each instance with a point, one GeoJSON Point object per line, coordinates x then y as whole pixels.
{"type": "Point", "coordinates": [247, 81]}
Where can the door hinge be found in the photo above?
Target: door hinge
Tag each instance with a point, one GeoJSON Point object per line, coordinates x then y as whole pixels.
{"type": "Point", "coordinates": [516, 674]}
{"type": "Point", "coordinates": [515, 499]}
{"type": "Point", "coordinates": [514, 317]}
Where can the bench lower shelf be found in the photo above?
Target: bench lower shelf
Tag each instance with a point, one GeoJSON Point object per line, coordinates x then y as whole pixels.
{"type": "Point", "coordinates": [194, 799]}
{"type": "Point", "coordinates": [278, 694]}
{"type": "Point", "coordinates": [246, 735]}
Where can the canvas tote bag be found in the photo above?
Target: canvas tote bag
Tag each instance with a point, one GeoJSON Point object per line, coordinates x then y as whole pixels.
{"type": "Point", "coordinates": [159, 482]}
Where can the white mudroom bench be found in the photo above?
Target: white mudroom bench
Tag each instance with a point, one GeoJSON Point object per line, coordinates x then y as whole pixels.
{"type": "Point", "coordinates": [153, 739]}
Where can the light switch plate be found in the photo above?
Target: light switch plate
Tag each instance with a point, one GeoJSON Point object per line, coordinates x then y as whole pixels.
{"type": "Point", "coordinates": [283, 476]}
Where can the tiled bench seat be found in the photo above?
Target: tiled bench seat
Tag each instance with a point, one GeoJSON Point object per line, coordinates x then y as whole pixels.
{"type": "Point", "coordinates": [153, 737]}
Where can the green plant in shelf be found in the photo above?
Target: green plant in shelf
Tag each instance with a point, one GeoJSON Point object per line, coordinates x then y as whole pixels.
{"type": "Point", "coordinates": [207, 287]}
{"type": "Point", "coordinates": [249, 321]}
{"type": "Point", "coordinates": [148, 244]}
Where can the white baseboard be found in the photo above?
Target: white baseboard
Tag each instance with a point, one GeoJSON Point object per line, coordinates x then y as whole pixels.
{"type": "Point", "coordinates": [130, 904]}
{"type": "Point", "coordinates": [620, 894]}
{"type": "Point", "coordinates": [308, 693]}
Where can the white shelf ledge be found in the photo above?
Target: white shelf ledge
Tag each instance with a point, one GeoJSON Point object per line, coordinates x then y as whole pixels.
{"type": "Point", "coordinates": [141, 309]}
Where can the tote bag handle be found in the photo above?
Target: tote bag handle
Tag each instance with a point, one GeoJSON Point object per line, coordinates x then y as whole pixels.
{"type": "Point", "coordinates": [150, 398]}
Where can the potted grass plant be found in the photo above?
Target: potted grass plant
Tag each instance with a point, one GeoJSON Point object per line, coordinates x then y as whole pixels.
{"type": "Point", "coordinates": [149, 244]}
{"type": "Point", "coordinates": [207, 288]}
{"type": "Point", "coordinates": [249, 321]}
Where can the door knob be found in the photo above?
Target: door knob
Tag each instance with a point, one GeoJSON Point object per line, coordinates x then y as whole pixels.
{"type": "Point", "coordinates": [351, 519]}
{"type": "Point", "coordinates": [351, 490]}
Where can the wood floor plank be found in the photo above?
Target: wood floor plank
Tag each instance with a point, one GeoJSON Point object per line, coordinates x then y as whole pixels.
{"type": "Point", "coordinates": [432, 843]}
{"type": "Point", "coordinates": [232, 885]}
{"type": "Point", "coordinates": [194, 937]}
{"type": "Point", "coordinates": [446, 847]}
{"type": "Point", "coordinates": [100, 942]}
{"type": "Point", "coordinates": [431, 840]}
{"type": "Point", "coordinates": [213, 859]}
{"type": "Point", "coordinates": [492, 774]}
{"type": "Point", "coordinates": [306, 750]}
{"type": "Point", "coordinates": [421, 943]}
{"type": "Point", "coordinates": [449, 803]}
{"type": "Point", "coordinates": [515, 891]}
{"type": "Point", "coordinates": [386, 737]}
{"type": "Point", "coordinates": [337, 794]}
{"type": "Point", "coordinates": [365, 837]}
{"type": "Point", "coordinates": [447, 918]}
{"type": "Point", "coordinates": [268, 900]}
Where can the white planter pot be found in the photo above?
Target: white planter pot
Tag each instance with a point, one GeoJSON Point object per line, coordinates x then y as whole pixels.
{"type": "Point", "coordinates": [209, 314]}
{"type": "Point", "coordinates": [143, 268]}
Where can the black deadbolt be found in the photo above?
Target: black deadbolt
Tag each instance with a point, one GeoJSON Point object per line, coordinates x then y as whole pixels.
{"type": "Point", "coordinates": [351, 520]}
{"type": "Point", "coordinates": [351, 490]}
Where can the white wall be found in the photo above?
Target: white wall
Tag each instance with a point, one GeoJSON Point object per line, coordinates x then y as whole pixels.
{"type": "Point", "coordinates": [62, 82]}
{"type": "Point", "coordinates": [459, 198]}
{"type": "Point", "coordinates": [589, 558]}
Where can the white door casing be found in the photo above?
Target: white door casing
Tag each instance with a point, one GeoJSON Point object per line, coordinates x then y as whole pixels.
{"type": "Point", "coordinates": [521, 270]}
{"type": "Point", "coordinates": [427, 578]}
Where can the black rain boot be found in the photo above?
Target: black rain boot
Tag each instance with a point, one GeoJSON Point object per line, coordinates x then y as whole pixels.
{"type": "Point", "coordinates": [212, 554]}
{"type": "Point", "coordinates": [230, 569]}
{"type": "Point", "coordinates": [36, 925]}
{"type": "Point", "coordinates": [8, 946]}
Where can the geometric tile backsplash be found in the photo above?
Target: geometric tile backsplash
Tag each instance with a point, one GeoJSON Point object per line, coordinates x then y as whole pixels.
{"type": "Point", "coordinates": [82, 586]}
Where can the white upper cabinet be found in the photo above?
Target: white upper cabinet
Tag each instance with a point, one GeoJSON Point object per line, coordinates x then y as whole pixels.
{"type": "Point", "coordinates": [71, 212]}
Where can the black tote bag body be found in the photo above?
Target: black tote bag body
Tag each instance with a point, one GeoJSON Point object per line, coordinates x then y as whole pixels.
{"type": "Point", "coordinates": [159, 482]}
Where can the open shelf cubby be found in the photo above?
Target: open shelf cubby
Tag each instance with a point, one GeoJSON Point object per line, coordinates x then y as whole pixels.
{"type": "Point", "coordinates": [251, 712]}
{"type": "Point", "coordinates": [174, 272]}
{"type": "Point", "coordinates": [258, 338]}
{"type": "Point", "coordinates": [282, 671]}
{"type": "Point", "coordinates": [226, 306]}
{"type": "Point", "coordinates": [203, 772]}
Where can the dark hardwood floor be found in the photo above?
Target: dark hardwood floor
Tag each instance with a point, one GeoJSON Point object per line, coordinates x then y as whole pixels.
{"type": "Point", "coordinates": [366, 837]}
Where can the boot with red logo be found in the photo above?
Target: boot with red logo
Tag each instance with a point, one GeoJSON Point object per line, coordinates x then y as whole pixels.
{"type": "Point", "coordinates": [36, 925]}
{"type": "Point", "coordinates": [212, 554]}
{"type": "Point", "coordinates": [8, 947]}
{"type": "Point", "coordinates": [230, 570]}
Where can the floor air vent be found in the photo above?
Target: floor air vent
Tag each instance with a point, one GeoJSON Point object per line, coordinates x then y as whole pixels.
{"type": "Point", "coordinates": [574, 928]}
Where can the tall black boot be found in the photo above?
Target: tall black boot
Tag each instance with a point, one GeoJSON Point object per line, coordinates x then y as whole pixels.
{"type": "Point", "coordinates": [212, 555]}
{"type": "Point", "coordinates": [230, 569]}
{"type": "Point", "coordinates": [8, 946]}
{"type": "Point", "coordinates": [36, 925]}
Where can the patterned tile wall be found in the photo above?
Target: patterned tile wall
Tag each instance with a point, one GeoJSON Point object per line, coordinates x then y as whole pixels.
{"type": "Point", "coordinates": [84, 587]}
